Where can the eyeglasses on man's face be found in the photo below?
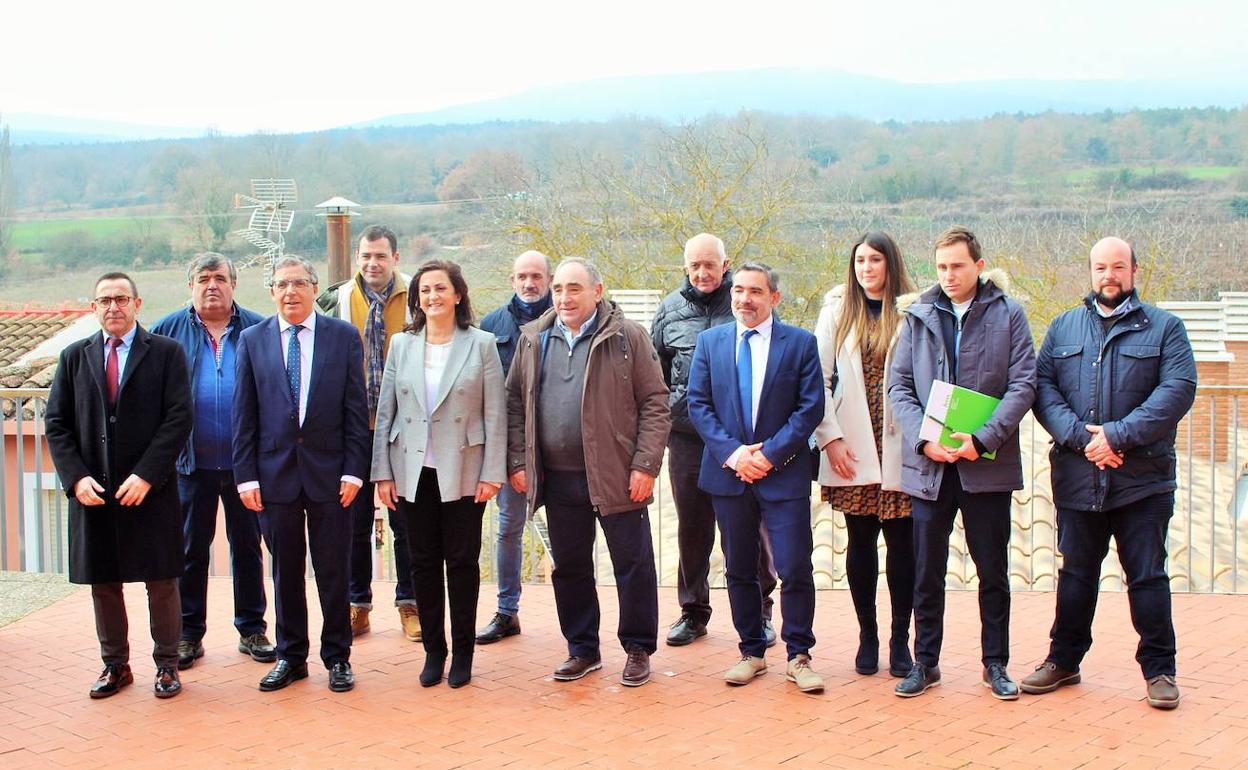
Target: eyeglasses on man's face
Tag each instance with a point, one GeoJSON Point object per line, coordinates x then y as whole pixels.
{"type": "Point", "coordinates": [121, 300]}
{"type": "Point", "coordinates": [291, 283]}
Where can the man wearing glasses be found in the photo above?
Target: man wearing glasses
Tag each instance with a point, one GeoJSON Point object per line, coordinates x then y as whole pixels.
{"type": "Point", "coordinates": [301, 453]}
{"type": "Point", "coordinates": [118, 415]}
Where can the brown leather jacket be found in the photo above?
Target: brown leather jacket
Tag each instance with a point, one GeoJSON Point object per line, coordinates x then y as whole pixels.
{"type": "Point", "coordinates": [624, 412]}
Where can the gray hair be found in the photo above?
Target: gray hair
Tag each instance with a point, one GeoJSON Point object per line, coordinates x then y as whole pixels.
{"type": "Point", "coordinates": [210, 260]}
{"type": "Point", "coordinates": [292, 260]}
{"type": "Point", "coordinates": [773, 278]}
{"type": "Point", "coordinates": [595, 277]}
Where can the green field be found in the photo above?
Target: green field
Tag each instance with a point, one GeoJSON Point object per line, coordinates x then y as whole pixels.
{"type": "Point", "coordinates": [32, 234]}
{"type": "Point", "coordinates": [1202, 173]}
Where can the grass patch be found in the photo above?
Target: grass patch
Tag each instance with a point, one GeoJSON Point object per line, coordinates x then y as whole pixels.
{"type": "Point", "coordinates": [33, 234]}
{"type": "Point", "coordinates": [1086, 175]}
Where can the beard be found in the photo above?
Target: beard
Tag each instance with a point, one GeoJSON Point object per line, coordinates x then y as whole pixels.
{"type": "Point", "coordinates": [1116, 300]}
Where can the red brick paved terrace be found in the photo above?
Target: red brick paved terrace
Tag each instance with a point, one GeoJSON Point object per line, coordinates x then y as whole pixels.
{"type": "Point", "coordinates": [513, 714]}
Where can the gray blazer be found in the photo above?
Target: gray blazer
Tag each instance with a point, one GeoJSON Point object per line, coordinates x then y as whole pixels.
{"type": "Point", "coordinates": [466, 428]}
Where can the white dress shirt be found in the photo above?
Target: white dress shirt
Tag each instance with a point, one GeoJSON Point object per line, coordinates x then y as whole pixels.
{"type": "Point", "coordinates": [760, 346]}
{"type": "Point", "coordinates": [307, 339]}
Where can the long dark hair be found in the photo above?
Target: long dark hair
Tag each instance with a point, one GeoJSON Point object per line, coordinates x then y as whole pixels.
{"type": "Point", "coordinates": [855, 320]}
{"type": "Point", "coordinates": [463, 311]}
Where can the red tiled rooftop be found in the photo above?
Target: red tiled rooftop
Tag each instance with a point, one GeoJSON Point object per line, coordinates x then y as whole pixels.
{"type": "Point", "coordinates": [513, 714]}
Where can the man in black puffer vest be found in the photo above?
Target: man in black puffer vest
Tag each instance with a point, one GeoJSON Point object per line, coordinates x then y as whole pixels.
{"type": "Point", "coordinates": [702, 301]}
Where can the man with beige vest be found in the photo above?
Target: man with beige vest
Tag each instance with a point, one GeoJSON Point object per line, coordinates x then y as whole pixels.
{"type": "Point", "coordinates": [374, 300]}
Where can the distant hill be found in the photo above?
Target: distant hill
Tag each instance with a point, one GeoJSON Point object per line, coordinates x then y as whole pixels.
{"type": "Point", "coordinates": [822, 94]}
{"type": "Point", "coordinates": [689, 96]}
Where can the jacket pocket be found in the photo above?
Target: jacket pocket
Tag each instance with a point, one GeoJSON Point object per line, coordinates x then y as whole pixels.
{"type": "Point", "coordinates": [476, 434]}
{"type": "Point", "coordinates": [394, 432]}
{"type": "Point", "coordinates": [1136, 367]}
{"type": "Point", "coordinates": [1068, 367]}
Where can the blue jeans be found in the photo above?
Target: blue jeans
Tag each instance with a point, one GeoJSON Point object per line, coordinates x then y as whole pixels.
{"type": "Point", "coordinates": [199, 493]}
{"type": "Point", "coordinates": [787, 523]}
{"type": "Point", "coordinates": [509, 552]}
{"type": "Point", "coordinates": [1139, 529]}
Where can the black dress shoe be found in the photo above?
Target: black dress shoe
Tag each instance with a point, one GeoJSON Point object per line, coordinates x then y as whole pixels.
{"type": "Point", "coordinates": [576, 667]}
{"type": "Point", "coordinates": [684, 631]}
{"type": "Point", "coordinates": [918, 680]}
{"type": "Point", "coordinates": [461, 670]}
{"type": "Point", "coordinates": [636, 668]}
{"type": "Point", "coordinates": [188, 653]}
{"type": "Point", "coordinates": [258, 647]}
{"type": "Point", "coordinates": [431, 674]}
{"type": "Point", "coordinates": [769, 633]}
{"type": "Point", "coordinates": [114, 677]}
{"type": "Point", "coordinates": [167, 682]}
{"type": "Point", "coordinates": [340, 677]}
{"type": "Point", "coordinates": [283, 673]}
{"type": "Point", "coordinates": [998, 680]}
{"type": "Point", "coordinates": [500, 627]}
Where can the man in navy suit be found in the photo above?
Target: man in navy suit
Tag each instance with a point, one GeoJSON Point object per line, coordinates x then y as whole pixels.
{"type": "Point", "coordinates": [300, 455]}
{"type": "Point", "coordinates": [755, 396]}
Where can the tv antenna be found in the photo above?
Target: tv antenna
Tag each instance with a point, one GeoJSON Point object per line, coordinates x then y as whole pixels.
{"type": "Point", "coordinates": [270, 219]}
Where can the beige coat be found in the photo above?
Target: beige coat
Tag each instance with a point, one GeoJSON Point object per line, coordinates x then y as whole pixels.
{"type": "Point", "coordinates": [846, 415]}
{"type": "Point", "coordinates": [466, 428]}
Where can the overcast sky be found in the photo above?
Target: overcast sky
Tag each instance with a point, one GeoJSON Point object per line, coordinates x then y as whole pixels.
{"type": "Point", "coordinates": [242, 66]}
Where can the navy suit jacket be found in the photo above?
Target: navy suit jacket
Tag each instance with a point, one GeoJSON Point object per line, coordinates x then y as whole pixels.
{"type": "Point", "coordinates": [790, 407]}
{"type": "Point", "coordinates": [270, 446]}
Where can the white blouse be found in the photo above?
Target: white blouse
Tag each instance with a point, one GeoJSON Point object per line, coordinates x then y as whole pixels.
{"type": "Point", "coordinates": [436, 357]}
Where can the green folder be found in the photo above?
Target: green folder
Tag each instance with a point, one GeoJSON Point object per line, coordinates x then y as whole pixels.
{"type": "Point", "coordinates": [955, 409]}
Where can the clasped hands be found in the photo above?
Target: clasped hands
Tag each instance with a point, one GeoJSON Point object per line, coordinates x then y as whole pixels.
{"type": "Point", "coordinates": [751, 464]}
{"type": "Point", "coordinates": [133, 491]}
{"type": "Point", "coordinates": [1098, 450]}
{"type": "Point", "coordinates": [640, 484]}
{"type": "Point", "coordinates": [346, 494]}
{"type": "Point", "coordinates": [938, 452]}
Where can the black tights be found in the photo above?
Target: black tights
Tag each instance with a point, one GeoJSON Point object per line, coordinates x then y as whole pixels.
{"type": "Point", "coordinates": [862, 565]}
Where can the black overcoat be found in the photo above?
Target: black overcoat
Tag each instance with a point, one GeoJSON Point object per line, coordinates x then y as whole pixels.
{"type": "Point", "coordinates": [115, 543]}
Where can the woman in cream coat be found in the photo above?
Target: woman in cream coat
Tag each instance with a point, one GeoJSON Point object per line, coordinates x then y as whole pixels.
{"type": "Point", "coordinates": [860, 467]}
{"type": "Point", "coordinates": [438, 455]}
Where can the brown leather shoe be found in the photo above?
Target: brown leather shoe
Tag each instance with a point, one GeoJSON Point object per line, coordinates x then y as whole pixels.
{"type": "Point", "coordinates": [409, 619]}
{"type": "Point", "coordinates": [167, 682]}
{"type": "Point", "coordinates": [359, 621]}
{"type": "Point", "coordinates": [114, 677]}
{"type": "Point", "coordinates": [576, 667]}
{"type": "Point", "coordinates": [636, 668]}
{"type": "Point", "coordinates": [1163, 692]}
{"type": "Point", "coordinates": [1047, 677]}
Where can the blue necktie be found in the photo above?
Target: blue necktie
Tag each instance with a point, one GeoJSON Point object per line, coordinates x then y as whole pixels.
{"type": "Point", "coordinates": [745, 382]}
{"type": "Point", "coordinates": [293, 368]}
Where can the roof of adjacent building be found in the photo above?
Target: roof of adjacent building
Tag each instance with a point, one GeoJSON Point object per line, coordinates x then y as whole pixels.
{"type": "Point", "coordinates": [21, 332]}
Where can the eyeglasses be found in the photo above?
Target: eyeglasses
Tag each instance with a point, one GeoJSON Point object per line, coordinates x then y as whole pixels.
{"type": "Point", "coordinates": [292, 283]}
{"type": "Point", "coordinates": [120, 300]}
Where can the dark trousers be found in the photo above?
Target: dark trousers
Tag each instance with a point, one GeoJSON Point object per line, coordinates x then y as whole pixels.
{"type": "Point", "coordinates": [695, 533]}
{"type": "Point", "coordinates": [986, 521]}
{"type": "Point", "coordinates": [1139, 529]}
{"type": "Point", "coordinates": [363, 514]}
{"type": "Point", "coordinates": [199, 493]}
{"type": "Point", "coordinates": [444, 535]}
{"type": "Point", "coordinates": [112, 627]}
{"type": "Point", "coordinates": [570, 520]}
{"type": "Point", "coordinates": [788, 525]}
{"type": "Point", "coordinates": [328, 529]}
{"type": "Point", "coordinates": [862, 566]}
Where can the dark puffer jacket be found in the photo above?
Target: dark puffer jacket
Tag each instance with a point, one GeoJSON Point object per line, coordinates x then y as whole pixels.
{"type": "Point", "coordinates": [1137, 380]}
{"type": "Point", "coordinates": [682, 316]}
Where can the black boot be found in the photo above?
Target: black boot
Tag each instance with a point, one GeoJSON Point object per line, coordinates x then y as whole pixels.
{"type": "Point", "coordinates": [899, 660]}
{"type": "Point", "coordinates": [461, 669]}
{"type": "Point", "coordinates": [431, 674]}
{"type": "Point", "coordinates": [868, 660]}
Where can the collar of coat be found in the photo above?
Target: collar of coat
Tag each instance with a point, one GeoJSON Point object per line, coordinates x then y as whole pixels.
{"type": "Point", "coordinates": [994, 284]}
{"type": "Point", "coordinates": [609, 318]}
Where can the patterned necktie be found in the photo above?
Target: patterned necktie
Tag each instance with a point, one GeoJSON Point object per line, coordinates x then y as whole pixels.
{"type": "Point", "coordinates": [745, 382]}
{"type": "Point", "coordinates": [293, 368]}
{"type": "Point", "coordinates": [111, 372]}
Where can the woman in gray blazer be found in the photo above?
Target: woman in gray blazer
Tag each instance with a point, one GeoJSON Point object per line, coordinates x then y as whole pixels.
{"type": "Point", "coordinates": [438, 455]}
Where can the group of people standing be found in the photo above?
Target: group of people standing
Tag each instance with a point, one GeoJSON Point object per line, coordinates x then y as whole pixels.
{"type": "Point", "coordinates": [559, 401]}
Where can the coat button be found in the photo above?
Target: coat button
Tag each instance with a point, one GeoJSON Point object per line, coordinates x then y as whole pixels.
{"type": "Point", "coordinates": [459, 419]}
{"type": "Point", "coordinates": [299, 440]}
{"type": "Point", "coordinates": [112, 419]}
{"type": "Point", "coordinates": [405, 391]}
{"type": "Point", "coordinates": [409, 419]}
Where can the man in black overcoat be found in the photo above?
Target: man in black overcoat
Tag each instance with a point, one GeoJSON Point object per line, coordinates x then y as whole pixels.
{"type": "Point", "coordinates": [118, 415]}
